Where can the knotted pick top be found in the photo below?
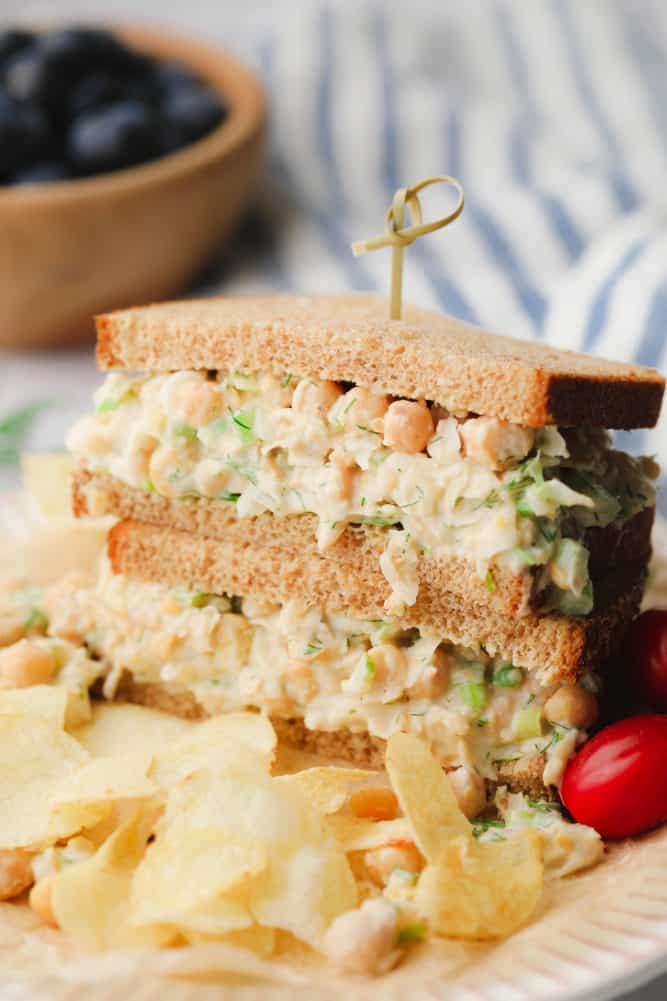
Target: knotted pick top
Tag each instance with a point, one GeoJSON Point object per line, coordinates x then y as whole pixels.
{"type": "Point", "coordinates": [397, 236]}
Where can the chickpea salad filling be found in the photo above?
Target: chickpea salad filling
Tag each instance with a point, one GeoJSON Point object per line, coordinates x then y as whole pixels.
{"type": "Point", "coordinates": [478, 713]}
{"type": "Point", "coordinates": [499, 494]}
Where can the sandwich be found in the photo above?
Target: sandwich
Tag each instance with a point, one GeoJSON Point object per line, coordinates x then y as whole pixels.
{"type": "Point", "coordinates": [359, 525]}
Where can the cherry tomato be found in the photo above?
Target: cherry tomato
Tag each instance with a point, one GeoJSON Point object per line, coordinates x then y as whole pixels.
{"type": "Point", "coordinates": [617, 783]}
{"type": "Point", "coordinates": [645, 656]}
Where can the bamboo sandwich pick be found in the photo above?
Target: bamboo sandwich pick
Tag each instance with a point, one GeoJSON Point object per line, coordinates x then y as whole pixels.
{"type": "Point", "coordinates": [398, 236]}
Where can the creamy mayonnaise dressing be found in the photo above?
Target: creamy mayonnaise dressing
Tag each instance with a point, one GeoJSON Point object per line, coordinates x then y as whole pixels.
{"type": "Point", "coordinates": [491, 491]}
{"type": "Point", "coordinates": [334, 671]}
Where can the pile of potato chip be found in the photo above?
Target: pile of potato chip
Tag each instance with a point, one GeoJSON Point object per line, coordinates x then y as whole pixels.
{"type": "Point", "coordinates": [145, 830]}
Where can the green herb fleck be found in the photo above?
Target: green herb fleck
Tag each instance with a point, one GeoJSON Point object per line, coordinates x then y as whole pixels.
{"type": "Point", "coordinates": [490, 582]}
{"type": "Point", "coordinates": [482, 824]}
{"type": "Point", "coordinates": [285, 381]}
{"type": "Point", "coordinates": [313, 647]}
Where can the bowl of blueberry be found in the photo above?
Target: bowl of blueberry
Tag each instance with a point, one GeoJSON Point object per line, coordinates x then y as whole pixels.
{"type": "Point", "coordinates": [127, 156]}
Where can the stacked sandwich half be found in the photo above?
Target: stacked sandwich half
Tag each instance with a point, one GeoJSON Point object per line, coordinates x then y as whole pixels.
{"type": "Point", "coordinates": [359, 525]}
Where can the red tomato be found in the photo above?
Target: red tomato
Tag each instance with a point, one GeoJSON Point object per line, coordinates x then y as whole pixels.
{"type": "Point", "coordinates": [617, 783]}
{"type": "Point", "coordinates": [645, 656]}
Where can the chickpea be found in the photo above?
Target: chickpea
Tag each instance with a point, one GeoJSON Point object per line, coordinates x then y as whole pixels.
{"type": "Point", "coordinates": [408, 426]}
{"type": "Point", "coordinates": [573, 706]}
{"type": "Point", "coordinates": [25, 664]}
{"type": "Point", "coordinates": [495, 443]}
{"type": "Point", "coordinates": [374, 803]}
{"type": "Point", "coordinates": [390, 664]}
{"type": "Point", "coordinates": [163, 464]}
{"type": "Point", "coordinates": [469, 789]}
{"type": "Point", "coordinates": [434, 681]}
{"type": "Point", "coordinates": [362, 407]}
{"type": "Point", "coordinates": [11, 631]}
{"type": "Point", "coordinates": [300, 683]}
{"type": "Point", "coordinates": [40, 900]}
{"type": "Point", "coordinates": [202, 404]}
{"type": "Point", "coordinates": [15, 872]}
{"type": "Point", "coordinates": [315, 399]}
{"type": "Point", "coordinates": [381, 862]}
{"type": "Point", "coordinates": [343, 470]}
{"type": "Point", "coordinates": [364, 940]}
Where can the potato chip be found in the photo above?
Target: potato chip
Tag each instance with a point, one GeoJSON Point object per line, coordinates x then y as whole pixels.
{"type": "Point", "coordinates": [115, 726]}
{"type": "Point", "coordinates": [91, 900]}
{"type": "Point", "coordinates": [481, 891]}
{"type": "Point", "coordinates": [356, 834]}
{"type": "Point", "coordinates": [85, 797]}
{"type": "Point", "coordinates": [47, 703]}
{"type": "Point", "coordinates": [326, 787]}
{"type": "Point", "coordinates": [35, 755]}
{"type": "Point", "coordinates": [307, 881]}
{"type": "Point", "coordinates": [220, 917]}
{"type": "Point", "coordinates": [46, 478]}
{"type": "Point", "coordinates": [241, 741]}
{"type": "Point", "coordinates": [425, 794]}
{"type": "Point", "coordinates": [185, 869]}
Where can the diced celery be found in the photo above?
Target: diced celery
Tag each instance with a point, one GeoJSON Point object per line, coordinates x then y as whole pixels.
{"type": "Point", "coordinates": [475, 695]}
{"type": "Point", "coordinates": [572, 604]}
{"type": "Point", "coordinates": [528, 723]}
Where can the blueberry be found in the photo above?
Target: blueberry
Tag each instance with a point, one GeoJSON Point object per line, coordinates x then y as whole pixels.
{"type": "Point", "coordinates": [42, 173]}
{"type": "Point", "coordinates": [119, 135]}
{"type": "Point", "coordinates": [72, 50]}
{"type": "Point", "coordinates": [28, 77]}
{"type": "Point", "coordinates": [190, 112]}
{"type": "Point", "coordinates": [96, 90]}
{"type": "Point", "coordinates": [24, 135]}
{"type": "Point", "coordinates": [12, 40]}
{"type": "Point", "coordinates": [170, 76]}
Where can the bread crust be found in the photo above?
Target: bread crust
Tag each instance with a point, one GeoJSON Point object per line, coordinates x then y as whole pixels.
{"type": "Point", "coordinates": [561, 648]}
{"type": "Point", "coordinates": [351, 338]}
{"type": "Point", "coordinates": [360, 749]}
{"type": "Point", "coordinates": [357, 552]}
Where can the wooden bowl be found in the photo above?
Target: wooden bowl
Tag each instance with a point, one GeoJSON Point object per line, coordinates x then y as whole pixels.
{"type": "Point", "coordinates": [71, 249]}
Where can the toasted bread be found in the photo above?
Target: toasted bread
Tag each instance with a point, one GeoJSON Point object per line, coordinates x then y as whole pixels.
{"type": "Point", "coordinates": [356, 553]}
{"type": "Point", "coordinates": [275, 571]}
{"type": "Point", "coordinates": [351, 338]}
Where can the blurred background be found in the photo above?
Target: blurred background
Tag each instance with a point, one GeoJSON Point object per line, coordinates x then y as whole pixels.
{"type": "Point", "coordinates": [553, 113]}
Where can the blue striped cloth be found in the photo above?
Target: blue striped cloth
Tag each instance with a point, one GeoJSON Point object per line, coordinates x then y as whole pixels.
{"type": "Point", "coordinates": [553, 115]}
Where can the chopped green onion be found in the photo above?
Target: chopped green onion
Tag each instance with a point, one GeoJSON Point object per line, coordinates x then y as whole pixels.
{"type": "Point", "coordinates": [377, 520]}
{"type": "Point", "coordinates": [362, 427]}
{"type": "Point", "coordinates": [200, 599]}
{"type": "Point", "coordinates": [490, 582]}
{"type": "Point", "coordinates": [36, 620]}
{"type": "Point", "coordinates": [491, 499]}
{"type": "Point", "coordinates": [507, 676]}
{"type": "Point", "coordinates": [313, 647]}
{"type": "Point", "coordinates": [227, 496]}
{"type": "Point", "coordinates": [285, 381]}
{"type": "Point", "coordinates": [412, 933]}
{"type": "Point", "coordinates": [369, 670]}
{"type": "Point", "coordinates": [186, 432]}
{"type": "Point", "coordinates": [106, 405]}
{"type": "Point", "coordinates": [149, 486]}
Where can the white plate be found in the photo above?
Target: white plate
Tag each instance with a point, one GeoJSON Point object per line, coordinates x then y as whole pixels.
{"type": "Point", "coordinates": [598, 935]}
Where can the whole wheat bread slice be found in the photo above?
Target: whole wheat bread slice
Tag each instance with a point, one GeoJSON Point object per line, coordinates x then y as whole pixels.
{"type": "Point", "coordinates": [351, 338]}
{"type": "Point", "coordinates": [277, 572]}
{"type": "Point", "coordinates": [360, 749]}
{"type": "Point", "coordinates": [356, 553]}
